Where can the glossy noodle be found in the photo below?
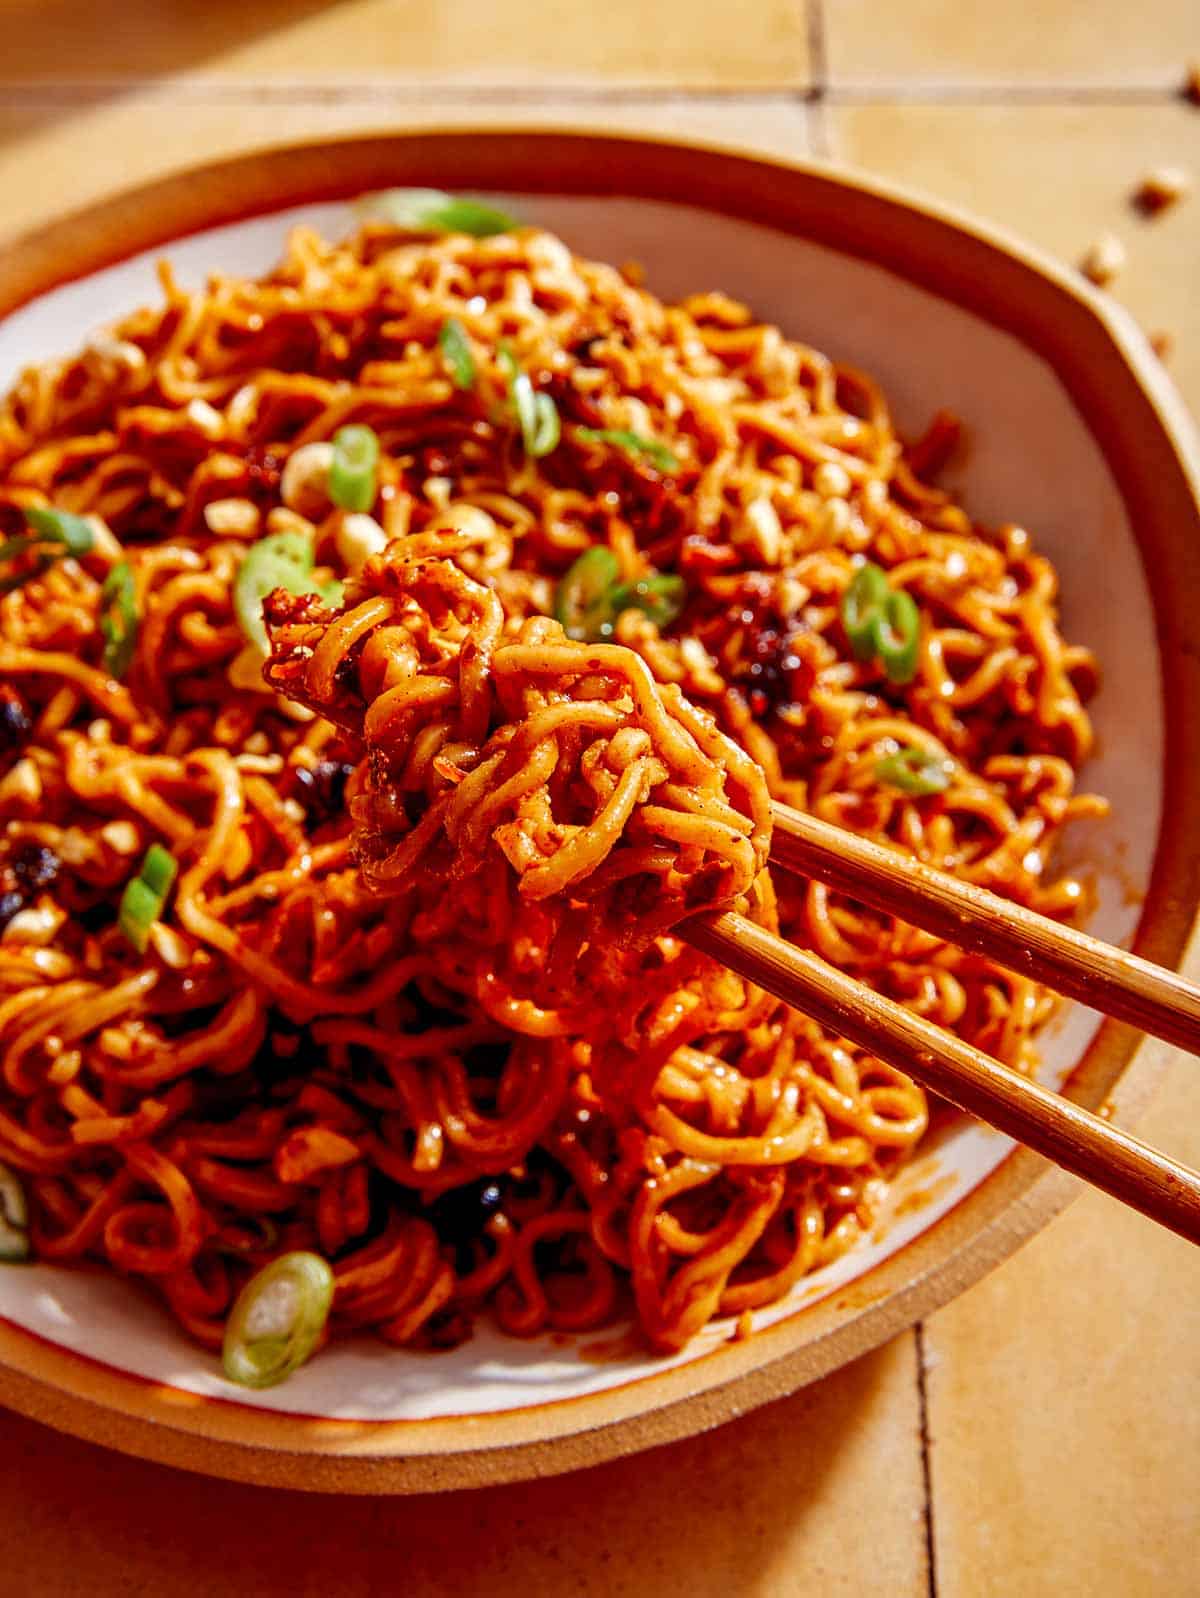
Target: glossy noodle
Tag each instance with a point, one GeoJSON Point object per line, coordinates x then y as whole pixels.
{"type": "Point", "coordinates": [413, 1002]}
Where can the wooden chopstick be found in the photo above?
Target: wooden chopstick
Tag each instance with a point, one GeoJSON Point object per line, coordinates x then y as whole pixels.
{"type": "Point", "coordinates": [1072, 1137]}
{"type": "Point", "coordinates": [1105, 978]}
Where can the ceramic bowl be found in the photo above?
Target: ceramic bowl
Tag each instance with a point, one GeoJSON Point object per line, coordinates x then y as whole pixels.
{"type": "Point", "coordinates": [1073, 431]}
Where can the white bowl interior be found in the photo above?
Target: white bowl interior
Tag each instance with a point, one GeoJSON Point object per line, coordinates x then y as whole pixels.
{"type": "Point", "coordinates": [1030, 459]}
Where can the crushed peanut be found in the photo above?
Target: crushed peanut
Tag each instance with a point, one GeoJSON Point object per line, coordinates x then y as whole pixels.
{"type": "Point", "coordinates": [304, 485]}
{"type": "Point", "coordinates": [831, 481]}
{"type": "Point", "coordinates": [239, 517]}
{"type": "Point", "coordinates": [173, 950]}
{"type": "Point", "coordinates": [205, 418]}
{"type": "Point", "coordinates": [759, 528]}
{"type": "Point", "coordinates": [22, 782]}
{"type": "Point", "coordinates": [121, 837]}
{"type": "Point", "coordinates": [37, 925]}
{"type": "Point", "coordinates": [358, 537]}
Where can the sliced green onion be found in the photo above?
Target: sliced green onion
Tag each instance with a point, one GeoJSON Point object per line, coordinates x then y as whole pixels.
{"type": "Point", "coordinates": [862, 607]}
{"type": "Point", "coordinates": [589, 597]}
{"type": "Point", "coordinates": [547, 429]}
{"type": "Point", "coordinates": [914, 771]}
{"type": "Point", "coordinates": [662, 597]}
{"type": "Point", "coordinates": [19, 579]}
{"type": "Point", "coordinates": [583, 602]}
{"type": "Point", "coordinates": [159, 870]}
{"type": "Point", "coordinates": [118, 618]}
{"type": "Point", "coordinates": [433, 211]}
{"type": "Point", "coordinates": [882, 622]}
{"type": "Point", "coordinates": [277, 1319]}
{"type": "Point", "coordinates": [281, 560]}
{"type": "Point", "coordinates": [352, 474]}
{"type": "Point", "coordinates": [140, 909]}
{"type": "Point", "coordinates": [898, 636]}
{"type": "Point", "coordinates": [456, 351]}
{"type": "Point", "coordinates": [61, 526]}
{"type": "Point", "coordinates": [632, 444]}
{"type": "Point", "coordinates": [55, 533]}
{"type": "Point", "coordinates": [14, 1219]}
{"type": "Point", "coordinates": [145, 896]}
{"type": "Point", "coordinates": [536, 414]}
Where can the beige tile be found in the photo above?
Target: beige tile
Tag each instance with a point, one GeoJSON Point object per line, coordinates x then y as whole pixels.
{"type": "Point", "coordinates": [1060, 176]}
{"type": "Point", "coordinates": [1063, 1404]}
{"type": "Point", "coordinates": [667, 42]}
{"type": "Point", "coordinates": [820, 1493]}
{"type": "Point", "coordinates": [1077, 42]}
{"type": "Point", "coordinates": [52, 161]}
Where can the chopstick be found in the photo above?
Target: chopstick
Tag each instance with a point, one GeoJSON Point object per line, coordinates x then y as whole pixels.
{"type": "Point", "coordinates": [1071, 1136]}
{"type": "Point", "coordinates": [1105, 978]}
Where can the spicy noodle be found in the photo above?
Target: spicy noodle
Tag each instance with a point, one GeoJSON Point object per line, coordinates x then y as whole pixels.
{"type": "Point", "coordinates": [412, 1002]}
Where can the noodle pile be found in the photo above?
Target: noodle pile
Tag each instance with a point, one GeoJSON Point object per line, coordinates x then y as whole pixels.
{"type": "Point", "coordinates": [414, 1003]}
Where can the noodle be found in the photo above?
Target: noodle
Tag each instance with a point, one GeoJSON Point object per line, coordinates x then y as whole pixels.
{"type": "Point", "coordinates": [415, 1003]}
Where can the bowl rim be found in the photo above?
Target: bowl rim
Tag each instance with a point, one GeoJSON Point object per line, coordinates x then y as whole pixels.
{"type": "Point", "coordinates": [1141, 424]}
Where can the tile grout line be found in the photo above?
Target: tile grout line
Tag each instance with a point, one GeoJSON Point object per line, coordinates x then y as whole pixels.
{"type": "Point", "coordinates": [926, 1461]}
{"type": "Point", "coordinates": [213, 91]}
{"type": "Point", "coordinates": [818, 52]}
{"type": "Point", "coordinates": [936, 93]}
{"type": "Point", "coordinates": [15, 96]}
{"type": "Point", "coordinates": [816, 116]}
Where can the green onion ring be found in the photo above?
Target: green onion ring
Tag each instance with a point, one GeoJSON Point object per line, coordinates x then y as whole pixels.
{"type": "Point", "coordinates": [14, 1219]}
{"type": "Point", "coordinates": [281, 560]}
{"type": "Point", "coordinates": [433, 211]}
{"type": "Point", "coordinates": [536, 414]}
{"type": "Point", "coordinates": [862, 606]}
{"type": "Point", "coordinates": [632, 444]}
{"type": "Point", "coordinates": [119, 618]}
{"type": "Point", "coordinates": [662, 597]}
{"type": "Point", "coordinates": [145, 896]}
{"type": "Point", "coordinates": [277, 1319]}
{"type": "Point", "coordinates": [547, 427]}
{"type": "Point", "coordinates": [352, 476]}
{"type": "Point", "coordinates": [583, 601]}
{"type": "Point", "coordinates": [456, 352]}
{"type": "Point", "coordinates": [898, 636]}
{"type": "Point", "coordinates": [61, 526]}
{"type": "Point", "coordinates": [914, 771]}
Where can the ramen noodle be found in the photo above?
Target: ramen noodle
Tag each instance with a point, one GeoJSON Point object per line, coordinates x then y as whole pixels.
{"type": "Point", "coordinates": [575, 580]}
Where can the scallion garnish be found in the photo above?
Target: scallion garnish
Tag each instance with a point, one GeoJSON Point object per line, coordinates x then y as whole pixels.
{"type": "Point", "coordinates": [583, 601]}
{"type": "Point", "coordinates": [61, 526]}
{"type": "Point", "coordinates": [53, 534]}
{"type": "Point", "coordinates": [456, 351]}
{"type": "Point", "coordinates": [589, 598]}
{"type": "Point", "coordinates": [14, 1218]}
{"type": "Point", "coordinates": [882, 623]}
{"type": "Point", "coordinates": [281, 560]}
{"type": "Point", "coordinates": [662, 596]}
{"type": "Point", "coordinates": [352, 475]}
{"type": "Point", "coordinates": [118, 618]}
{"type": "Point", "coordinates": [145, 896]}
{"type": "Point", "coordinates": [632, 444]}
{"type": "Point", "coordinates": [914, 771]}
{"type": "Point", "coordinates": [277, 1319]}
{"type": "Point", "coordinates": [536, 413]}
{"type": "Point", "coordinates": [432, 211]}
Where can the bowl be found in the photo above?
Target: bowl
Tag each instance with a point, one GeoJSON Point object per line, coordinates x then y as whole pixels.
{"type": "Point", "coordinates": [1073, 430]}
